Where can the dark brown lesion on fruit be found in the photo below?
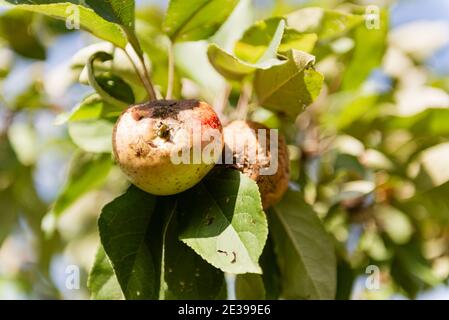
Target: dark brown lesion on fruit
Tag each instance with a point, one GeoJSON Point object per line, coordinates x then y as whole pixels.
{"type": "Point", "coordinates": [138, 113]}
{"type": "Point", "coordinates": [140, 148]}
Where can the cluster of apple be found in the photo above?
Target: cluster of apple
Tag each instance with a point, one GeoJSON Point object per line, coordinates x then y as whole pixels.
{"type": "Point", "coordinates": [155, 145]}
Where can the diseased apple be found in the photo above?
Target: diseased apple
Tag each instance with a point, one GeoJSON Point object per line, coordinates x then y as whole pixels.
{"type": "Point", "coordinates": [249, 148]}
{"type": "Point", "coordinates": [166, 146]}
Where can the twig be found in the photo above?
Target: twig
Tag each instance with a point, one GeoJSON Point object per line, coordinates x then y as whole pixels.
{"type": "Point", "coordinates": [222, 101]}
{"type": "Point", "coordinates": [171, 71]}
{"type": "Point", "coordinates": [143, 76]}
{"type": "Point", "coordinates": [244, 99]}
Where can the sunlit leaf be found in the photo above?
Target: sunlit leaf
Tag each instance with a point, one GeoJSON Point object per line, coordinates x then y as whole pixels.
{"type": "Point", "coordinates": [233, 68]}
{"type": "Point", "coordinates": [196, 19]}
{"type": "Point", "coordinates": [88, 18]}
{"type": "Point", "coordinates": [289, 88]}
{"type": "Point", "coordinates": [227, 227]}
{"type": "Point", "coordinates": [102, 282]}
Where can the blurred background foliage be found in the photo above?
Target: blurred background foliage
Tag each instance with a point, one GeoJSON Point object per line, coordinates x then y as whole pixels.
{"type": "Point", "coordinates": [370, 155]}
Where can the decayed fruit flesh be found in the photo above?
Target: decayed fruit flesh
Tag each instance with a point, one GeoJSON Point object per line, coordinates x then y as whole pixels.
{"type": "Point", "coordinates": [239, 137]}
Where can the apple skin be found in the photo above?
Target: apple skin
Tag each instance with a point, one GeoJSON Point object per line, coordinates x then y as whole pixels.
{"type": "Point", "coordinates": [146, 137]}
{"type": "Point", "coordinates": [238, 137]}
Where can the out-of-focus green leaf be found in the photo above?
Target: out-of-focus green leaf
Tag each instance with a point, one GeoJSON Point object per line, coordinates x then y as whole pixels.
{"type": "Point", "coordinates": [8, 214]}
{"type": "Point", "coordinates": [434, 169]}
{"type": "Point", "coordinates": [132, 230]}
{"type": "Point", "coordinates": [249, 286]}
{"type": "Point", "coordinates": [91, 108]}
{"type": "Point", "coordinates": [228, 227]}
{"type": "Point", "coordinates": [23, 139]}
{"type": "Point", "coordinates": [328, 24]}
{"type": "Point", "coordinates": [88, 19]}
{"type": "Point", "coordinates": [102, 282]}
{"type": "Point", "coordinates": [370, 45]}
{"type": "Point", "coordinates": [349, 108]}
{"type": "Point", "coordinates": [431, 122]}
{"type": "Point", "coordinates": [196, 19]}
{"type": "Point", "coordinates": [16, 29]}
{"type": "Point", "coordinates": [33, 97]}
{"type": "Point", "coordinates": [233, 68]}
{"type": "Point", "coordinates": [291, 87]}
{"type": "Point", "coordinates": [304, 250]}
{"type": "Point", "coordinates": [192, 60]}
{"type": "Point", "coordinates": [411, 271]}
{"type": "Point", "coordinates": [93, 135]}
{"type": "Point", "coordinates": [395, 223]}
{"type": "Point", "coordinates": [87, 172]}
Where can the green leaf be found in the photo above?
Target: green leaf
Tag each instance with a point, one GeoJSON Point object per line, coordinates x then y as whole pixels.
{"type": "Point", "coordinates": [411, 271]}
{"type": "Point", "coordinates": [106, 88]}
{"type": "Point", "coordinates": [224, 222]}
{"type": "Point", "coordinates": [120, 66]}
{"type": "Point", "coordinates": [91, 108]}
{"type": "Point", "coordinates": [304, 250]}
{"type": "Point", "coordinates": [87, 172]}
{"type": "Point", "coordinates": [255, 41]}
{"type": "Point", "coordinates": [293, 39]}
{"type": "Point", "coordinates": [196, 19]}
{"type": "Point", "coordinates": [9, 214]}
{"type": "Point", "coordinates": [290, 87]}
{"type": "Point", "coordinates": [249, 286]}
{"type": "Point", "coordinates": [93, 135]}
{"type": "Point", "coordinates": [16, 28]}
{"type": "Point", "coordinates": [370, 46]}
{"type": "Point", "coordinates": [345, 280]}
{"type": "Point", "coordinates": [430, 122]}
{"type": "Point", "coordinates": [89, 20]}
{"type": "Point", "coordinates": [234, 68]}
{"type": "Point", "coordinates": [102, 282]}
{"type": "Point", "coordinates": [271, 274]}
{"type": "Point", "coordinates": [117, 11]}
{"type": "Point", "coordinates": [132, 230]}
{"type": "Point", "coordinates": [116, 87]}
{"type": "Point", "coordinates": [187, 275]}
{"type": "Point", "coordinates": [328, 24]}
